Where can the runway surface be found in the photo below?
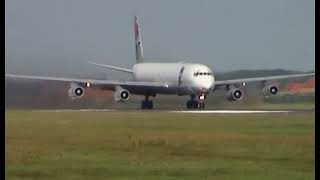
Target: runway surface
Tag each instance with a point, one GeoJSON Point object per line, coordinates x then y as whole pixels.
{"type": "Point", "coordinates": [232, 111]}
{"type": "Point", "coordinates": [180, 111]}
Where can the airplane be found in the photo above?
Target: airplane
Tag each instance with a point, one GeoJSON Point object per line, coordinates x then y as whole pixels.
{"type": "Point", "coordinates": [179, 78]}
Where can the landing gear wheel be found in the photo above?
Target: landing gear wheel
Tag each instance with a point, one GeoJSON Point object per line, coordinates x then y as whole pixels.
{"type": "Point", "coordinates": [192, 104]}
{"type": "Point", "coordinates": [143, 105]}
{"type": "Point", "coordinates": [150, 105]}
{"type": "Point", "coordinates": [189, 105]}
{"type": "Point", "coordinates": [195, 105]}
{"type": "Point", "coordinates": [147, 105]}
{"type": "Point", "coordinates": [201, 105]}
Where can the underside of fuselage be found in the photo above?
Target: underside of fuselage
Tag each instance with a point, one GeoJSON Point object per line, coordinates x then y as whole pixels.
{"type": "Point", "coordinates": [174, 90]}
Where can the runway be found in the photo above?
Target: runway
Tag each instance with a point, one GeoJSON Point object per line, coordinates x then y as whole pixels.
{"type": "Point", "coordinates": [76, 110]}
{"type": "Point", "coordinates": [233, 111]}
{"type": "Point", "coordinates": [181, 111]}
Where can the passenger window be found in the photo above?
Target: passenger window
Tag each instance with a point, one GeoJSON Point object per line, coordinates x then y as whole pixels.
{"type": "Point", "coordinates": [200, 74]}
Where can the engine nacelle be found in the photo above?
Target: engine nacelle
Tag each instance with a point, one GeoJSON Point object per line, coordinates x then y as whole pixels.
{"type": "Point", "coordinates": [75, 92]}
{"type": "Point", "coordinates": [270, 90]}
{"type": "Point", "coordinates": [121, 95]}
{"type": "Point", "coordinates": [234, 94]}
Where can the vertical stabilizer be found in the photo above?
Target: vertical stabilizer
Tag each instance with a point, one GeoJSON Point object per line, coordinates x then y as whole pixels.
{"type": "Point", "coordinates": [138, 42]}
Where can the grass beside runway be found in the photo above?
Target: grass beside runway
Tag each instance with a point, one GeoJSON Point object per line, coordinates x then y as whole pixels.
{"type": "Point", "coordinates": [273, 106]}
{"type": "Point", "coordinates": [158, 145]}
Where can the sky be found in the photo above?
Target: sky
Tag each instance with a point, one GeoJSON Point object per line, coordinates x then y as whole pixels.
{"type": "Point", "coordinates": [46, 37]}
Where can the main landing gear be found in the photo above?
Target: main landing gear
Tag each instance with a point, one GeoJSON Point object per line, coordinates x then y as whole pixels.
{"type": "Point", "coordinates": [196, 104]}
{"type": "Point", "coordinates": [146, 104]}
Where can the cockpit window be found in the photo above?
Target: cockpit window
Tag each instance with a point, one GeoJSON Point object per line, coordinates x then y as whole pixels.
{"type": "Point", "coordinates": [202, 73]}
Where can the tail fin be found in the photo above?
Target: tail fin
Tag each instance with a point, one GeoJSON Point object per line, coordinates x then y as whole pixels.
{"type": "Point", "coordinates": [138, 42]}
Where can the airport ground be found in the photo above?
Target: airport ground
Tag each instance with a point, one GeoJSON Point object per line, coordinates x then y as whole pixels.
{"type": "Point", "coordinates": [159, 145]}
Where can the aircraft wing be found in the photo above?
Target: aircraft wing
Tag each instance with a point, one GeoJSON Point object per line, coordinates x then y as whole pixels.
{"type": "Point", "coordinates": [112, 67]}
{"type": "Point", "coordinates": [106, 84]}
{"type": "Point", "coordinates": [261, 79]}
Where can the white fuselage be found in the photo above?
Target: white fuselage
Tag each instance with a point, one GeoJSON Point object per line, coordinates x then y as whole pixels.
{"type": "Point", "coordinates": [183, 78]}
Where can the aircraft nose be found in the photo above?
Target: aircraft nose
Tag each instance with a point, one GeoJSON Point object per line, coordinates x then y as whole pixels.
{"type": "Point", "coordinates": [204, 89]}
{"type": "Point", "coordinates": [210, 84]}
{"type": "Point", "coordinates": [207, 86]}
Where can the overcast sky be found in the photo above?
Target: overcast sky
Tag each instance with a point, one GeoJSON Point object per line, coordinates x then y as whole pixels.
{"type": "Point", "coordinates": [49, 36]}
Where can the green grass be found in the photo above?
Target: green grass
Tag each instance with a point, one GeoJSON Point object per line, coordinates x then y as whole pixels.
{"type": "Point", "coordinates": [275, 106]}
{"type": "Point", "coordinates": [154, 145]}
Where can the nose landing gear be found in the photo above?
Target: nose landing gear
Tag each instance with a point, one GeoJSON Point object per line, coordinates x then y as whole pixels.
{"type": "Point", "coordinates": [196, 104]}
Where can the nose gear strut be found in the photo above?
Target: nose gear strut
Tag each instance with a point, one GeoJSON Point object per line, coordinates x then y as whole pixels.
{"type": "Point", "coordinates": [196, 104]}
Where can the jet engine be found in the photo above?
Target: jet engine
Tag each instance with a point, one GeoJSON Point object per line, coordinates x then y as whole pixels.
{"type": "Point", "coordinates": [234, 94]}
{"type": "Point", "coordinates": [270, 90]}
{"type": "Point", "coordinates": [121, 95]}
{"type": "Point", "coordinates": [75, 92]}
